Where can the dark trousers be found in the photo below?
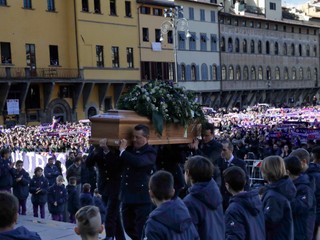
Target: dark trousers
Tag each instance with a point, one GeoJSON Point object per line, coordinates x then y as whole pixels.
{"type": "Point", "coordinates": [72, 218]}
{"type": "Point", "coordinates": [35, 210]}
{"type": "Point", "coordinates": [22, 206]}
{"type": "Point", "coordinates": [57, 217]}
{"type": "Point", "coordinates": [112, 223]}
{"type": "Point", "coordinates": [134, 217]}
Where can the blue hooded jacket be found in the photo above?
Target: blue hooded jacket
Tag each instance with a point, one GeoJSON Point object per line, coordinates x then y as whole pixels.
{"type": "Point", "coordinates": [303, 208]}
{"type": "Point", "coordinates": [277, 209]}
{"type": "Point", "coordinates": [20, 233]}
{"type": "Point", "coordinates": [21, 188]}
{"type": "Point", "coordinates": [204, 202]}
{"type": "Point", "coordinates": [57, 194]}
{"type": "Point", "coordinates": [171, 220]}
{"type": "Point", "coordinates": [314, 172]}
{"type": "Point", "coordinates": [245, 218]}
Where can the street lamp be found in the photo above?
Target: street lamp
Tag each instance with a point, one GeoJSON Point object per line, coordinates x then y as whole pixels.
{"type": "Point", "coordinates": [175, 23]}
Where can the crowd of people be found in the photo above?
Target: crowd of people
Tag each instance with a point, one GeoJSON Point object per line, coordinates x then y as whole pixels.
{"type": "Point", "coordinates": [196, 191]}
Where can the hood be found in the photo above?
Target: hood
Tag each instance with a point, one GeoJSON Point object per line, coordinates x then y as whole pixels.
{"type": "Point", "coordinates": [173, 214]}
{"type": "Point", "coordinates": [285, 187]}
{"type": "Point", "coordinates": [249, 200]}
{"type": "Point", "coordinates": [20, 233]}
{"type": "Point", "coordinates": [313, 168]}
{"type": "Point", "coordinates": [208, 193]}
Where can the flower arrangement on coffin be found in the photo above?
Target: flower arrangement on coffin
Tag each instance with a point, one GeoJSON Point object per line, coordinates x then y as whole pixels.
{"type": "Point", "coordinates": [162, 102]}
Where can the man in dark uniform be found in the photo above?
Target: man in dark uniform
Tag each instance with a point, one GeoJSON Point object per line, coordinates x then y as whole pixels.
{"type": "Point", "coordinates": [139, 163]}
{"type": "Point", "coordinates": [228, 160]}
{"type": "Point", "coordinates": [109, 168]}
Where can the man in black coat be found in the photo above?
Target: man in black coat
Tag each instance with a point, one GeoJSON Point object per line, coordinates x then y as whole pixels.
{"type": "Point", "coordinates": [109, 168]}
{"type": "Point", "coordinates": [228, 160]}
{"type": "Point", "coordinates": [139, 163]}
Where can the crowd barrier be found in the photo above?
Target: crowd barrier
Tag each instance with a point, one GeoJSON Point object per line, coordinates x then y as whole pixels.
{"type": "Point", "coordinates": [253, 169]}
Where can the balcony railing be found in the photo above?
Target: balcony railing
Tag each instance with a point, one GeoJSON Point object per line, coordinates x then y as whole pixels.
{"type": "Point", "coordinates": [26, 73]}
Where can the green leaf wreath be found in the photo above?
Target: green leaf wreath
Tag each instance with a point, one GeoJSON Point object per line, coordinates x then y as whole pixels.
{"type": "Point", "coordinates": [163, 102]}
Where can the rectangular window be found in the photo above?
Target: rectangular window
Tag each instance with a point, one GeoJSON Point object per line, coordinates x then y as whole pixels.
{"type": "Point", "coordinates": [244, 23]}
{"type": "Point", "coordinates": [251, 24]}
{"type": "Point", "coordinates": [97, 6]}
{"type": "Point", "coordinates": [113, 8]}
{"type": "Point", "coordinates": [27, 4]}
{"type": "Point", "coordinates": [145, 34]}
{"type": "Point", "coordinates": [202, 15]}
{"type": "Point", "coordinates": [213, 38]}
{"type": "Point", "coordinates": [181, 41]}
{"type": "Point", "coordinates": [145, 10]}
{"type": "Point", "coordinates": [51, 6]}
{"type": "Point", "coordinates": [3, 2]}
{"type": "Point", "coordinates": [266, 26]}
{"type": "Point", "coordinates": [170, 37]}
{"type": "Point", "coordinates": [99, 56]}
{"type": "Point", "coordinates": [191, 13]}
{"type": "Point", "coordinates": [128, 9]}
{"type": "Point", "coordinates": [275, 27]}
{"type": "Point", "coordinates": [273, 6]}
{"type": "Point", "coordinates": [258, 24]}
{"type": "Point", "coordinates": [213, 16]}
{"type": "Point", "coordinates": [130, 57]}
{"type": "Point", "coordinates": [115, 57]}
{"type": "Point", "coordinates": [157, 12]}
{"type": "Point", "coordinates": [54, 55]}
{"type": "Point", "coordinates": [284, 28]}
{"type": "Point", "coordinates": [203, 41]}
{"type": "Point", "coordinates": [85, 6]}
{"type": "Point", "coordinates": [31, 55]}
{"type": "Point", "coordinates": [157, 35]}
{"type": "Point", "coordinates": [5, 49]}
{"type": "Point", "coordinates": [192, 41]}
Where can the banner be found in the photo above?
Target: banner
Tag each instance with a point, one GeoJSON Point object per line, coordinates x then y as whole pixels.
{"type": "Point", "coordinates": [31, 160]}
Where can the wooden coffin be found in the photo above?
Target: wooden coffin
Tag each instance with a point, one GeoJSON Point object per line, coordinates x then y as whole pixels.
{"type": "Point", "coordinates": [118, 124]}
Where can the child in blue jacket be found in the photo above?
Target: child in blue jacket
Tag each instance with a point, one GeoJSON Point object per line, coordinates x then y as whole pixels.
{"type": "Point", "coordinates": [57, 198]}
{"type": "Point", "coordinates": [21, 181]}
{"type": "Point", "coordinates": [303, 205]}
{"type": "Point", "coordinates": [278, 194]}
{"type": "Point", "coordinates": [244, 216]}
{"type": "Point", "coordinates": [73, 199]}
{"type": "Point", "coordinates": [39, 190]}
{"type": "Point", "coordinates": [86, 197]}
{"type": "Point", "coordinates": [204, 200]}
{"type": "Point", "coordinates": [171, 219]}
{"type": "Point", "coordinates": [97, 201]}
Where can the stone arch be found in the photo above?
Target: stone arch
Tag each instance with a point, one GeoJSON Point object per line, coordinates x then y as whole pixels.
{"type": "Point", "coordinates": [60, 109]}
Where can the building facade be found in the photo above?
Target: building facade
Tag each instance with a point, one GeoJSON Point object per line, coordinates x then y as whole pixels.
{"type": "Point", "coordinates": [68, 59]}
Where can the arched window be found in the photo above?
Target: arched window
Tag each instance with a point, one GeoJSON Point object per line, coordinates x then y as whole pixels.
{"type": "Point", "coordinates": [230, 45]}
{"type": "Point", "coordinates": [285, 49]}
{"type": "Point", "coordinates": [238, 73]}
{"type": "Point", "coordinates": [223, 73]}
{"type": "Point", "coordinates": [268, 73]}
{"type": "Point", "coordinates": [223, 44]}
{"type": "Point", "coordinates": [91, 112]}
{"type": "Point", "coordinates": [267, 47]}
{"type": "Point", "coordinates": [315, 72]}
{"type": "Point", "coordinates": [300, 50]}
{"type": "Point", "coordinates": [252, 46]}
{"type": "Point", "coordinates": [204, 72]}
{"type": "Point", "coordinates": [292, 50]}
{"type": "Point", "coordinates": [260, 73]}
{"type": "Point", "coordinates": [253, 73]}
{"type": "Point", "coordinates": [237, 47]}
{"type": "Point", "coordinates": [309, 74]}
{"type": "Point", "coordinates": [214, 72]}
{"type": "Point", "coordinates": [294, 74]}
{"type": "Point", "coordinates": [308, 51]}
{"type": "Point", "coordinates": [245, 73]}
{"type": "Point", "coordinates": [193, 72]}
{"type": "Point", "coordinates": [315, 50]}
{"type": "Point", "coordinates": [183, 72]}
{"type": "Point", "coordinates": [277, 73]}
{"type": "Point", "coordinates": [259, 47]}
{"type": "Point", "coordinates": [244, 46]}
{"type": "Point", "coordinates": [301, 73]}
{"type": "Point", "coordinates": [231, 73]}
{"type": "Point", "coordinates": [276, 48]}
{"type": "Point", "coordinates": [286, 73]}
